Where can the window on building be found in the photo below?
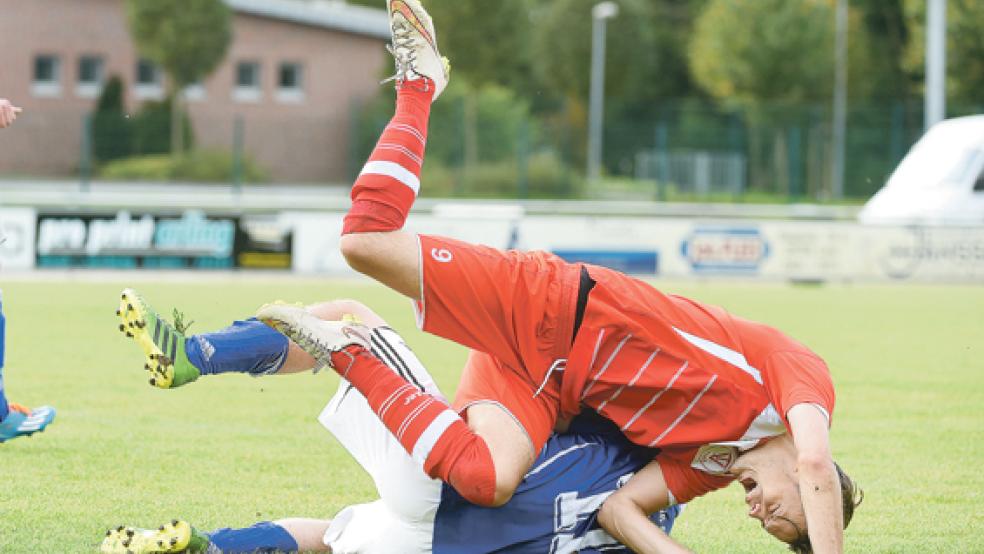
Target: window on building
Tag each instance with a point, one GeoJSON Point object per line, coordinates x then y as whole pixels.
{"type": "Point", "coordinates": [90, 76]}
{"type": "Point", "coordinates": [290, 82]}
{"type": "Point", "coordinates": [47, 75]}
{"type": "Point", "coordinates": [148, 73]}
{"type": "Point", "coordinates": [148, 81]}
{"type": "Point", "coordinates": [247, 82]}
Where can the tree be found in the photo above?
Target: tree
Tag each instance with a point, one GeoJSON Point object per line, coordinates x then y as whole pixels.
{"type": "Point", "coordinates": [187, 38]}
{"type": "Point", "coordinates": [884, 21]}
{"type": "Point", "coordinates": [764, 51]}
{"type": "Point", "coordinates": [485, 46]}
{"type": "Point", "coordinates": [646, 64]}
{"type": "Point", "coordinates": [111, 130]}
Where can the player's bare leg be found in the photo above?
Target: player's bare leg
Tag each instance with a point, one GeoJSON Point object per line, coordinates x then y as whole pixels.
{"type": "Point", "coordinates": [374, 244]}
{"type": "Point", "coordinates": [308, 533]}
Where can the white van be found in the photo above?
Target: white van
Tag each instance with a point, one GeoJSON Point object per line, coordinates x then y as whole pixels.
{"type": "Point", "coordinates": [939, 182]}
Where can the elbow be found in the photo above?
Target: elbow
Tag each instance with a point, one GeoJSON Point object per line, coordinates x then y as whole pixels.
{"type": "Point", "coordinates": [608, 512]}
{"type": "Point", "coordinates": [815, 463]}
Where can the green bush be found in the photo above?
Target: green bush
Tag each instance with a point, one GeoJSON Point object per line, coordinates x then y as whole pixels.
{"type": "Point", "coordinates": [197, 166]}
{"type": "Point", "coordinates": [549, 177]}
{"type": "Point", "coordinates": [545, 177]}
{"type": "Point", "coordinates": [501, 118]}
{"type": "Point", "coordinates": [152, 129]}
{"type": "Point", "coordinates": [111, 129]}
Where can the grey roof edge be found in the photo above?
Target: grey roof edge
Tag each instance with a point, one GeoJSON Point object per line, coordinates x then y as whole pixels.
{"type": "Point", "coordinates": [330, 14]}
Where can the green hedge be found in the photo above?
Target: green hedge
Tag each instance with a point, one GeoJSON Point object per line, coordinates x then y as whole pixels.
{"type": "Point", "coordinates": [197, 166]}
{"type": "Point", "coordinates": [544, 176]}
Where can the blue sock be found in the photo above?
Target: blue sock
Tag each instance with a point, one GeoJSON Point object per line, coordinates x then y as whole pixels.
{"type": "Point", "coordinates": [263, 537]}
{"type": "Point", "coordinates": [248, 346]}
{"type": "Point", "coordinates": [4, 408]}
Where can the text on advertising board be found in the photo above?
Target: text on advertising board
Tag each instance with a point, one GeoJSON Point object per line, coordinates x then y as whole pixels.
{"type": "Point", "coordinates": [725, 249]}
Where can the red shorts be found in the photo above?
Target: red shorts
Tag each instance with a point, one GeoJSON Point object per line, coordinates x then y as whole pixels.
{"type": "Point", "coordinates": [516, 310]}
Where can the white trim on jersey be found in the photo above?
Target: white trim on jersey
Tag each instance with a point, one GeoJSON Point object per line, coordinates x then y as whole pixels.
{"type": "Point", "coordinates": [556, 457]}
{"type": "Point", "coordinates": [631, 383]}
{"type": "Point", "coordinates": [429, 437]}
{"type": "Point", "coordinates": [395, 171]}
{"type": "Point", "coordinates": [685, 412]}
{"type": "Point", "coordinates": [656, 396]}
{"type": "Point", "coordinates": [420, 306]}
{"type": "Point", "coordinates": [502, 407]}
{"type": "Point", "coordinates": [734, 358]}
{"type": "Point", "coordinates": [594, 357]}
{"type": "Point", "coordinates": [604, 368]}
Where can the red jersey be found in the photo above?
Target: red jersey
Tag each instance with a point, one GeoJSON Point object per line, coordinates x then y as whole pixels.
{"type": "Point", "coordinates": [688, 378]}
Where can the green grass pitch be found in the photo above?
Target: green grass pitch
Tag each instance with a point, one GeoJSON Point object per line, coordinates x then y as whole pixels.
{"type": "Point", "coordinates": [908, 362]}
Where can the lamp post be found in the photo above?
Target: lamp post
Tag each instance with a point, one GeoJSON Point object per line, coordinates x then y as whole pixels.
{"type": "Point", "coordinates": [935, 62]}
{"type": "Point", "coordinates": [600, 14]}
{"type": "Point", "coordinates": [840, 101]}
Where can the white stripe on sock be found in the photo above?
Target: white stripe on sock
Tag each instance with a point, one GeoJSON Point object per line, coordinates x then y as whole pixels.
{"type": "Point", "coordinates": [431, 435]}
{"type": "Point", "coordinates": [395, 171]}
{"type": "Point", "coordinates": [409, 129]}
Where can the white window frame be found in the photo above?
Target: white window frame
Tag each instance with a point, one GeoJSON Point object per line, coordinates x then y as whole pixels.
{"type": "Point", "coordinates": [295, 94]}
{"type": "Point", "coordinates": [90, 89]}
{"type": "Point", "coordinates": [51, 88]}
{"type": "Point", "coordinates": [248, 93]}
{"type": "Point", "coordinates": [149, 90]}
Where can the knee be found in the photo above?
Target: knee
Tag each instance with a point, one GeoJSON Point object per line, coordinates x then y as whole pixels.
{"type": "Point", "coordinates": [359, 250]}
{"type": "Point", "coordinates": [478, 484]}
{"type": "Point", "coordinates": [336, 309]}
{"type": "Point", "coordinates": [503, 494]}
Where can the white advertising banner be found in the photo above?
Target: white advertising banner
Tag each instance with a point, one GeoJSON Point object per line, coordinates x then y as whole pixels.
{"type": "Point", "coordinates": [684, 248]}
{"type": "Point", "coordinates": [316, 236]}
{"type": "Point", "coordinates": [17, 228]}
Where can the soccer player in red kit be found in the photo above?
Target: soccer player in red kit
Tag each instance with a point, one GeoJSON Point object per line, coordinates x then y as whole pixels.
{"type": "Point", "coordinates": [722, 398]}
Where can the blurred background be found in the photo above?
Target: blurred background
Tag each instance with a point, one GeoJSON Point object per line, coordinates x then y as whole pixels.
{"type": "Point", "coordinates": [722, 109]}
{"type": "Point", "coordinates": [740, 152]}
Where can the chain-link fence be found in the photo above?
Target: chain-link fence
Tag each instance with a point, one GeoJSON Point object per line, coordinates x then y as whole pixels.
{"type": "Point", "coordinates": [489, 145]}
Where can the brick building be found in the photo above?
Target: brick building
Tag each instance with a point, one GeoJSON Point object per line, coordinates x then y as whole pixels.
{"type": "Point", "coordinates": [293, 73]}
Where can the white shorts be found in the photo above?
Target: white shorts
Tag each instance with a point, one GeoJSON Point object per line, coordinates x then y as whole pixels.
{"type": "Point", "coordinates": [402, 521]}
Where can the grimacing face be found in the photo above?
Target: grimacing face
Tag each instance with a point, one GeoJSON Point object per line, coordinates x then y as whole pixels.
{"type": "Point", "coordinates": [778, 507]}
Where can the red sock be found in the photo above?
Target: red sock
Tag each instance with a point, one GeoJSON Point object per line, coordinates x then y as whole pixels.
{"type": "Point", "coordinates": [433, 434]}
{"type": "Point", "coordinates": [389, 182]}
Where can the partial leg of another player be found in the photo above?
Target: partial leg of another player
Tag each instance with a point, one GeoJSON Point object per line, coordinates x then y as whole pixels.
{"type": "Point", "coordinates": [484, 462]}
{"type": "Point", "coordinates": [173, 359]}
{"type": "Point", "coordinates": [177, 536]}
{"type": "Point", "coordinates": [16, 420]}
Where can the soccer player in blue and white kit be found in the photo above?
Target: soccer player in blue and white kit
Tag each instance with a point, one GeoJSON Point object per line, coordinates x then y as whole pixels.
{"type": "Point", "coordinates": [554, 509]}
{"type": "Point", "coordinates": [16, 420]}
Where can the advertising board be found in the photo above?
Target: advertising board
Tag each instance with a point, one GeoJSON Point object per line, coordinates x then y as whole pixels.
{"type": "Point", "coordinates": [17, 238]}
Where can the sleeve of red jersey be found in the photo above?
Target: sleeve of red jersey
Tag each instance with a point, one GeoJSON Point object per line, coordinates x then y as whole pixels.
{"type": "Point", "coordinates": [798, 378]}
{"type": "Point", "coordinates": [686, 483]}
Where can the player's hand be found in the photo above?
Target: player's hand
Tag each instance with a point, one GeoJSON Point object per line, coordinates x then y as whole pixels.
{"type": "Point", "coordinates": [8, 113]}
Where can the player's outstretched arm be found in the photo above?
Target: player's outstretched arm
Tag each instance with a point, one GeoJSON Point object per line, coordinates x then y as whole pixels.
{"type": "Point", "coordinates": [818, 482]}
{"type": "Point", "coordinates": [625, 514]}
